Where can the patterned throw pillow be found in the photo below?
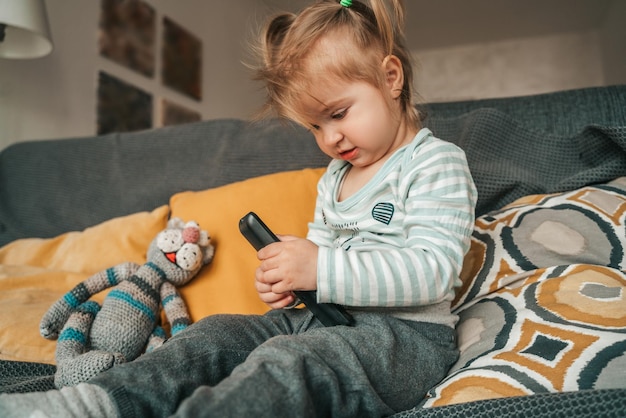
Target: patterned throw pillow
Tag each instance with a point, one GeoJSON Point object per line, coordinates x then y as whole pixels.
{"type": "Point", "coordinates": [543, 302]}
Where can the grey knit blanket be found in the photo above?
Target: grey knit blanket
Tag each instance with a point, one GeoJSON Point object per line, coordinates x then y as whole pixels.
{"type": "Point", "coordinates": [509, 160]}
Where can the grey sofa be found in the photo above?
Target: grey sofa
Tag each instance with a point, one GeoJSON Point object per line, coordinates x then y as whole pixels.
{"type": "Point", "coordinates": [50, 187]}
{"type": "Point", "coordinates": [549, 144]}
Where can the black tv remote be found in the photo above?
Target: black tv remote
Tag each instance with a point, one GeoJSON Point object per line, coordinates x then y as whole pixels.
{"type": "Point", "coordinates": [259, 235]}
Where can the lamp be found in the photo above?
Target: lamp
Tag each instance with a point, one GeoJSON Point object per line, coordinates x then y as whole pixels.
{"type": "Point", "coordinates": [24, 29]}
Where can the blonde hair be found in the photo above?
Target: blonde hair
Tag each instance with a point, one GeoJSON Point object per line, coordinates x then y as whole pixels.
{"type": "Point", "coordinates": [287, 69]}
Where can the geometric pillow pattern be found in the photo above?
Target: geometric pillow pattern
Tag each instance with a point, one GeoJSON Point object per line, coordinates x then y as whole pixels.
{"type": "Point", "coordinates": [584, 226]}
{"type": "Point", "coordinates": [542, 307]}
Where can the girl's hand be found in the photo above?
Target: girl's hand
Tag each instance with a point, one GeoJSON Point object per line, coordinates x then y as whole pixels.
{"type": "Point", "coordinates": [273, 300]}
{"type": "Point", "coordinates": [286, 266]}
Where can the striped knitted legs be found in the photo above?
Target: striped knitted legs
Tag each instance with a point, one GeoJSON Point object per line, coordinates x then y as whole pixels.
{"type": "Point", "coordinates": [176, 313]}
{"type": "Point", "coordinates": [55, 318]}
{"type": "Point", "coordinates": [157, 338]}
{"type": "Point", "coordinates": [72, 341]}
{"type": "Point", "coordinates": [175, 308]}
{"type": "Point", "coordinates": [74, 363]}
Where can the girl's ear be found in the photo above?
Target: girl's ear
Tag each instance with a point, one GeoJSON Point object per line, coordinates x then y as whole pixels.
{"type": "Point", "coordinates": [394, 75]}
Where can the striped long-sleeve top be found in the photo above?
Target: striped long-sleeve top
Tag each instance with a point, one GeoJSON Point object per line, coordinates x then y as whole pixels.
{"type": "Point", "coordinates": [397, 245]}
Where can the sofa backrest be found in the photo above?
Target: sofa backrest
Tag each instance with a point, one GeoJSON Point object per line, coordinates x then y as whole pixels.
{"type": "Point", "coordinates": [562, 112]}
{"type": "Point", "coordinates": [54, 186]}
{"type": "Point", "coordinates": [515, 146]}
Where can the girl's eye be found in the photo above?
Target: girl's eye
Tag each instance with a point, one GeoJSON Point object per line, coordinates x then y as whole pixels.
{"type": "Point", "coordinates": [339, 115]}
{"type": "Point", "coordinates": [315, 127]}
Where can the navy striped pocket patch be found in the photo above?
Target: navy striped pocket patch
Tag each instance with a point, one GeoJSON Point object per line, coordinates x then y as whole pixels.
{"type": "Point", "coordinates": [383, 212]}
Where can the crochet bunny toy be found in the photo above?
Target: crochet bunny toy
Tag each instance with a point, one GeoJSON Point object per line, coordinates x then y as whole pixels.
{"type": "Point", "coordinates": [92, 339]}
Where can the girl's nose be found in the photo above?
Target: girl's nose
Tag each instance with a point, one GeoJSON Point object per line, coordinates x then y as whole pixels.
{"type": "Point", "coordinates": [332, 137]}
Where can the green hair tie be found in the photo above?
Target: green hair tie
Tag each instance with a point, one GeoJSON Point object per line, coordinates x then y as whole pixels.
{"type": "Point", "coordinates": [346, 3]}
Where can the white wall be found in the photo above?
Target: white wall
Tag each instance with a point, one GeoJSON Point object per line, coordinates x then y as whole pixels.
{"type": "Point", "coordinates": [613, 39]}
{"type": "Point", "coordinates": [510, 68]}
{"type": "Point", "coordinates": [529, 65]}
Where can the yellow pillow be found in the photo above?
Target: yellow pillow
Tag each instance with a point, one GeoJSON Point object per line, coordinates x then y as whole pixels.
{"type": "Point", "coordinates": [112, 242]}
{"type": "Point", "coordinates": [285, 201]}
{"type": "Point", "coordinates": [34, 273]}
{"type": "Point", "coordinates": [26, 293]}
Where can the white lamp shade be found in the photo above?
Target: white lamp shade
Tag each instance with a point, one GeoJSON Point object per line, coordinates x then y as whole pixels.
{"type": "Point", "coordinates": [27, 32]}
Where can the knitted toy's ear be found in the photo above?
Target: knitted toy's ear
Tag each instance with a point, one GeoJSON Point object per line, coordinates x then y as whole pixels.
{"type": "Point", "coordinates": [207, 253]}
{"type": "Point", "coordinates": [204, 239]}
{"type": "Point", "coordinates": [175, 223]}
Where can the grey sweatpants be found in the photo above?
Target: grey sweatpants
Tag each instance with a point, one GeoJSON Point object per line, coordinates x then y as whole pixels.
{"type": "Point", "coordinates": [285, 363]}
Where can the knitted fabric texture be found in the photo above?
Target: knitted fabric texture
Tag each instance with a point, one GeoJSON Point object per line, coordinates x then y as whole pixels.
{"type": "Point", "coordinates": [92, 339]}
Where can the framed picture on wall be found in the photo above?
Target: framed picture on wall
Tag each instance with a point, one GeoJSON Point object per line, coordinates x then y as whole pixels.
{"type": "Point", "coordinates": [182, 60]}
{"type": "Point", "coordinates": [175, 114]}
{"type": "Point", "coordinates": [127, 34]}
{"type": "Point", "coordinates": [121, 106]}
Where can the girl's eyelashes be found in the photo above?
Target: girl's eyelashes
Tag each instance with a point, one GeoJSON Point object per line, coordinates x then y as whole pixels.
{"type": "Point", "coordinates": [336, 116]}
{"type": "Point", "coordinates": [339, 115]}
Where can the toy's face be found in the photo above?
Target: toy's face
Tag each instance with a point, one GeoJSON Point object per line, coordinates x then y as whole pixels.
{"type": "Point", "coordinates": [186, 255]}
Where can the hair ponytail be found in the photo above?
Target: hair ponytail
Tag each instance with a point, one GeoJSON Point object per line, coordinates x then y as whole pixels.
{"type": "Point", "coordinates": [274, 34]}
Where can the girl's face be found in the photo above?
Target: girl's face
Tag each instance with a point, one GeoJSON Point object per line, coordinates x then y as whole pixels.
{"type": "Point", "coordinates": [353, 121]}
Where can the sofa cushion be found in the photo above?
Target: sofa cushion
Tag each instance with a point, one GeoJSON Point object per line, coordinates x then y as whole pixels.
{"type": "Point", "coordinates": [543, 302]}
{"type": "Point", "coordinates": [34, 273]}
{"type": "Point", "coordinates": [286, 203]}
{"type": "Point", "coordinates": [94, 249]}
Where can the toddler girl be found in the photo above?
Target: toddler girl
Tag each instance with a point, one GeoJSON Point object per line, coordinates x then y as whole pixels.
{"type": "Point", "coordinates": [393, 218]}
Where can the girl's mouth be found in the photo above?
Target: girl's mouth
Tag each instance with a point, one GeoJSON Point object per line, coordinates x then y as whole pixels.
{"type": "Point", "coordinates": [349, 154]}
